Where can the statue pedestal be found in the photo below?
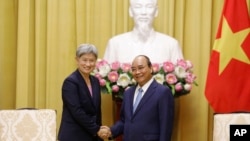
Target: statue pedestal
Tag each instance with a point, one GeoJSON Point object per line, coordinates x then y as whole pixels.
{"type": "Point", "coordinates": [117, 103]}
{"type": "Point", "coordinates": [176, 125]}
{"type": "Point", "coordinates": [117, 107]}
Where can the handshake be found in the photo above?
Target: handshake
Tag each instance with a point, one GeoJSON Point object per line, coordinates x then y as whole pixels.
{"type": "Point", "coordinates": [104, 132]}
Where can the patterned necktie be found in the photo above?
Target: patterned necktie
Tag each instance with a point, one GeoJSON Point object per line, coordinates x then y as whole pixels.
{"type": "Point", "coordinates": [138, 98]}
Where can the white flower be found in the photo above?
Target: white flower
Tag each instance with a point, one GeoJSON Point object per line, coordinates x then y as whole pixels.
{"type": "Point", "coordinates": [123, 80]}
{"type": "Point", "coordinates": [187, 87]}
{"type": "Point", "coordinates": [104, 70]}
{"type": "Point", "coordinates": [133, 81]}
{"type": "Point", "coordinates": [99, 60]}
{"type": "Point", "coordinates": [180, 72]}
{"type": "Point", "coordinates": [95, 71]}
{"type": "Point", "coordinates": [159, 78]}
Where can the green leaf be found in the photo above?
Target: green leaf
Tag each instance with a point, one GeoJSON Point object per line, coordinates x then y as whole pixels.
{"type": "Point", "coordinates": [108, 87]}
{"type": "Point", "coordinates": [172, 89]}
{"type": "Point", "coordinates": [195, 83]}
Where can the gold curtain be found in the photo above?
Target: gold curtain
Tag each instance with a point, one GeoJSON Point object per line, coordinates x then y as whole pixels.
{"type": "Point", "coordinates": [38, 39]}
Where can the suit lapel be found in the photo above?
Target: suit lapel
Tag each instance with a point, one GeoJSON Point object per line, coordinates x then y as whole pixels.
{"type": "Point", "coordinates": [146, 96]}
{"type": "Point", "coordinates": [131, 99]}
{"type": "Point", "coordinates": [84, 88]}
{"type": "Point", "coordinates": [94, 91]}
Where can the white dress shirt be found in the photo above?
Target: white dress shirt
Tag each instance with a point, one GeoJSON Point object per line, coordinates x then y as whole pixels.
{"type": "Point", "coordinates": [144, 88]}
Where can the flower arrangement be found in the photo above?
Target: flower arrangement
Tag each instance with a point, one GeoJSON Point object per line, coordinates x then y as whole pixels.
{"type": "Point", "coordinates": [116, 77]}
{"type": "Point", "coordinates": [178, 77]}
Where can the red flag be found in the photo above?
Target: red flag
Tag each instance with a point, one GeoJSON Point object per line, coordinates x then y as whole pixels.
{"type": "Point", "coordinates": [228, 79]}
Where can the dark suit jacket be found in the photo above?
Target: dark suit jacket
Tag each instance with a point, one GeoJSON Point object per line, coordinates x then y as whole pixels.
{"type": "Point", "coordinates": [153, 118]}
{"type": "Point", "coordinates": [81, 116]}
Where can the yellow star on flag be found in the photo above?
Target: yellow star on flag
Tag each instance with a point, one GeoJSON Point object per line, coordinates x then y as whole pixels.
{"type": "Point", "coordinates": [229, 45]}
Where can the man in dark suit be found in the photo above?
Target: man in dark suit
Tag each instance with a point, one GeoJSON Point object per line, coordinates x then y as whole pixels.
{"type": "Point", "coordinates": [152, 119]}
{"type": "Point", "coordinates": [81, 116]}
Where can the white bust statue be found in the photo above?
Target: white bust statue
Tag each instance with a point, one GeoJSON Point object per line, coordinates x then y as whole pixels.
{"type": "Point", "coordinates": [143, 39]}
